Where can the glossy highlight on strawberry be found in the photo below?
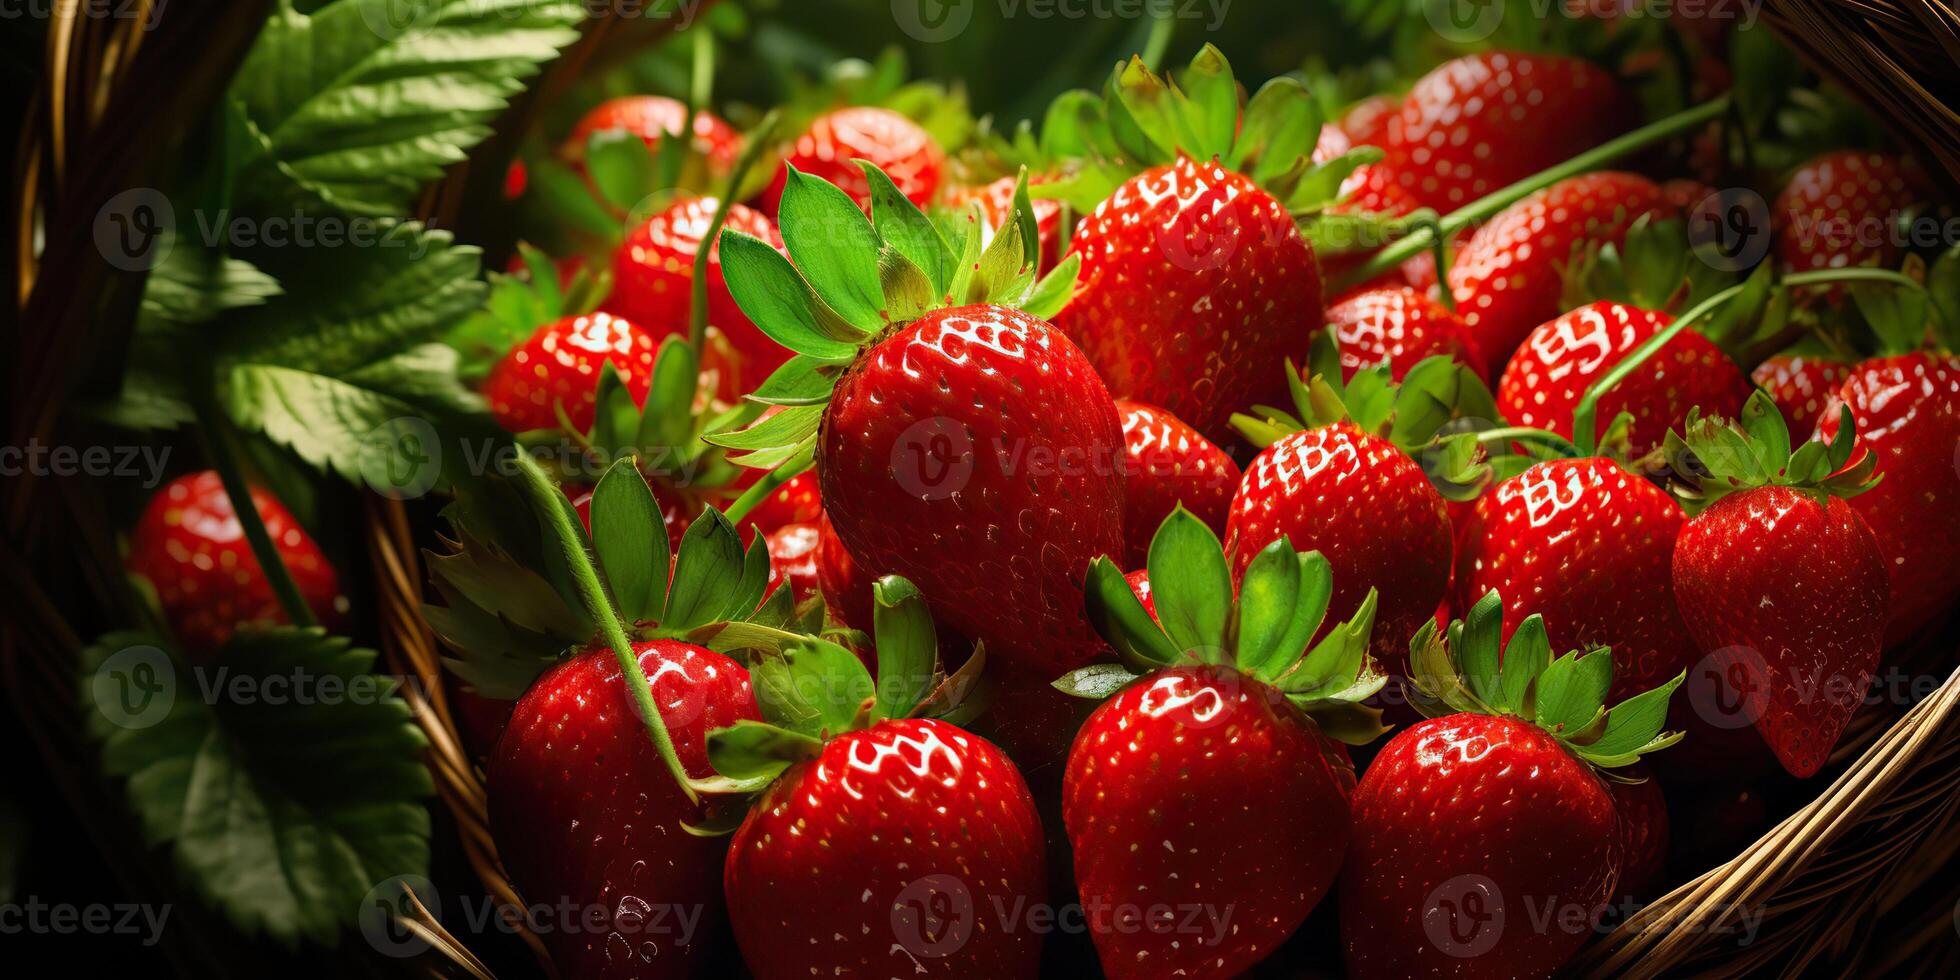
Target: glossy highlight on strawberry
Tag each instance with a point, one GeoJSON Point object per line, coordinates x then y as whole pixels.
{"type": "Point", "coordinates": [1169, 463]}
{"type": "Point", "coordinates": [559, 367]}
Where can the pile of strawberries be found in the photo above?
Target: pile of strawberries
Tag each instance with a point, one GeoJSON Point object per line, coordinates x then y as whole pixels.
{"type": "Point", "coordinates": [1163, 532]}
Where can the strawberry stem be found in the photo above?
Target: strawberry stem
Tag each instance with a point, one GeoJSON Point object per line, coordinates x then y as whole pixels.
{"type": "Point", "coordinates": [1585, 424]}
{"type": "Point", "coordinates": [763, 488]}
{"type": "Point", "coordinates": [1527, 434]}
{"type": "Point", "coordinates": [1483, 207]}
{"type": "Point", "coordinates": [550, 503]}
{"type": "Point", "coordinates": [220, 446]}
{"type": "Point", "coordinates": [752, 148]}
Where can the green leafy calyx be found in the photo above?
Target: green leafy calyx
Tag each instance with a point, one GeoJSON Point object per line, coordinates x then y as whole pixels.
{"type": "Point", "coordinates": [1717, 457]}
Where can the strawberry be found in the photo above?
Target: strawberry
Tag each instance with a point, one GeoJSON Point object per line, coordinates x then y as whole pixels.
{"type": "Point", "coordinates": [893, 143]}
{"type": "Point", "coordinates": [1562, 358]}
{"type": "Point", "coordinates": [653, 272]}
{"type": "Point", "coordinates": [189, 545]}
{"type": "Point", "coordinates": [880, 839]}
{"type": "Point", "coordinates": [1362, 502]}
{"type": "Point", "coordinates": [1643, 831]}
{"type": "Point", "coordinates": [1219, 762]}
{"type": "Point", "coordinates": [1590, 546]}
{"type": "Point", "coordinates": [846, 589]}
{"type": "Point", "coordinates": [558, 367]}
{"type": "Point", "coordinates": [1396, 326]}
{"type": "Point", "coordinates": [795, 501]}
{"type": "Point", "coordinates": [1369, 122]}
{"type": "Point", "coordinates": [1194, 283]}
{"type": "Point", "coordinates": [968, 447]}
{"type": "Point", "coordinates": [1479, 122]}
{"type": "Point", "coordinates": [1907, 410]}
{"type": "Point", "coordinates": [652, 118]}
{"type": "Point", "coordinates": [1800, 384]}
{"type": "Point", "coordinates": [1838, 209]}
{"type": "Point", "coordinates": [584, 811]}
{"type": "Point", "coordinates": [1778, 577]}
{"type": "Point", "coordinates": [996, 200]}
{"type": "Point", "coordinates": [1439, 882]}
{"type": "Point", "coordinates": [1168, 463]}
{"type": "Point", "coordinates": [793, 559]}
{"type": "Point", "coordinates": [1508, 278]}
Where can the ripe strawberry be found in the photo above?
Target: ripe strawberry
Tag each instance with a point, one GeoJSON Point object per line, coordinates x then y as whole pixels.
{"type": "Point", "coordinates": [996, 200]}
{"type": "Point", "coordinates": [970, 448]}
{"type": "Point", "coordinates": [846, 588]}
{"type": "Point", "coordinates": [1560, 360]}
{"type": "Point", "coordinates": [189, 545]}
{"type": "Point", "coordinates": [793, 558]}
{"type": "Point", "coordinates": [653, 274]}
{"type": "Point", "coordinates": [1907, 410]}
{"type": "Point", "coordinates": [796, 501]}
{"type": "Point", "coordinates": [1167, 463]}
{"type": "Point", "coordinates": [1479, 122]}
{"type": "Point", "coordinates": [559, 365]}
{"type": "Point", "coordinates": [1370, 122]}
{"type": "Point", "coordinates": [1509, 277]}
{"type": "Point", "coordinates": [1396, 326]}
{"type": "Point", "coordinates": [1195, 282]}
{"type": "Point", "coordinates": [1590, 546]}
{"type": "Point", "coordinates": [1779, 578]}
{"type": "Point", "coordinates": [1643, 832]}
{"type": "Point", "coordinates": [1838, 209]}
{"type": "Point", "coordinates": [584, 811]}
{"type": "Point", "coordinates": [1190, 783]}
{"type": "Point", "coordinates": [1362, 502]}
{"type": "Point", "coordinates": [893, 143]}
{"type": "Point", "coordinates": [1801, 385]}
{"type": "Point", "coordinates": [1441, 883]}
{"type": "Point", "coordinates": [652, 118]}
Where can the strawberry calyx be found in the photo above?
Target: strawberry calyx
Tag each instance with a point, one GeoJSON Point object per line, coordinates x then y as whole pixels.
{"type": "Point", "coordinates": [1714, 457]}
{"type": "Point", "coordinates": [1263, 631]}
{"type": "Point", "coordinates": [1469, 669]}
{"type": "Point", "coordinates": [1655, 268]}
{"type": "Point", "coordinates": [811, 690]}
{"type": "Point", "coordinates": [851, 280]}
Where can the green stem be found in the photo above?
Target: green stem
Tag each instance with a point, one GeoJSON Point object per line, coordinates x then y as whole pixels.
{"type": "Point", "coordinates": [752, 149]}
{"type": "Point", "coordinates": [1585, 424]}
{"type": "Point", "coordinates": [1528, 434]}
{"type": "Point", "coordinates": [763, 488]}
{"type": "Point", "coordinates": [1483, 207]}
{"type": "Point", "coordinates": [550, 503]}
{"type": "Point", "coordinates": [1158, 42]}
{"type": "Point", "coordinates": [221, 448]}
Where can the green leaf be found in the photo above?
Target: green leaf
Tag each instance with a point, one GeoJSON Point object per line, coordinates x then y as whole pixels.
{"type": "Point", "coordinates": [1335, 663]}
{"type": "Point", "coordinates": [813, 687]}
{"type": "Point", "coordinates": [1572, 691]}
{"type": "Point", "coordinates": [708, 570]}
{"type": "Point", "coordinates": [833, 244]}
{"type": "Point", "coordinates": [902, 226]}
{"type": "Point", "coordinates": [1118, 617]}
{"type": "Point", "coordinates": [1633, 724]}
{"type": "Point", "coordinates": [1310, 601]}
{"type": "Point", "coordinates": [1192, 586]}
{"type": "Point", "coordinates": [1005, 274]}
{"type": "Point", "coordinates": [1763, 421]}
{"type": "Point", "coordinates": [1055, 290]}
{"type": "Point", "coordinates": [631, 538]}
{"type": "Point", "coordinates": [1268, 599]}
{"type": "Point", "coordinates": [908, 647]}
{"type": "Point", "coordinates": [1094, 682]}
{"type": "Point", "coordinates": [667, 421]}
{"type": "Point", "coordinates": [1478, 647]}
{"type": "Point", "coordinates": [194, 284]}
{"type": "Point", "coordinates": [1525, 657]}
{"type": "Point", "coordinates": [1213, 108]}
{"type": "Point", "coordinates": [755, 750]}
{"type": "Point", "coordinates": [1281, 127]}
{"type": "Point", "coordinates": [908, 293]}
{"type": "Point", "coordinates": [621, 166]}
{"type": "Point", "coordinates": [800, 381]}
{"type": "Point", "coordinates": [353, 106]}
{"type": "Point", "coordinates": [771, 293]}
{"type": "Point", "coordinates": [285, 784]}
{"type": "Point", "coordinates": [785, 428]}
{"type": "Point", "coordinates": [966, 262]}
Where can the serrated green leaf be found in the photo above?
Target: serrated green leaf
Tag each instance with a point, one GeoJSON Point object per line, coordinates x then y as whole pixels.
{"type": "Point", "coordinates": [631, 539]}
{"type": "Point", "coordinates": [908, 646]}
{"type": "Point", "coordinates": [1192, 586]}
{"type": "Point", "coordinates": [834, 246]}
{"type": "Point", "coordinates": [1212, 107]}
{"type": "Point", "coordinates": [772, 294]}
{"type": "Point", "coordinates": [194, 284]}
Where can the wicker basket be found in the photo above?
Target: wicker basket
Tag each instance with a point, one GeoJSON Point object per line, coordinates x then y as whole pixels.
{"type": "Point", "coordinates": [1876, 844]}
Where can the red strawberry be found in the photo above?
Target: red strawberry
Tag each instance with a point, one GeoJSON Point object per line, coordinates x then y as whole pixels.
{"type": "Point", "coordinates": [584, 810]}
{"type": "Point", "coordinates": [1643, 832]}
{"type": "Point", "coordinates": [1194, 283]}
{"type": "Point", "coordinates": [1140, 584]}
{"type": "Point", "coordinates": [796, 501]}
{"type": "Point", "coordinates": [559, 364]}
{"type": "Point", "coordinates": [897, 145]}
{"type": "Point", "coordinates": [1801, 385]}
{"type": "Point", "coordinates": [793, 557]}
{"type": "Point", "coordinates": [1479, 122]}
{"type": "Point", "coordinates": [1838, 209]}
{"type": "Point", "coordinates": [1907, 410]}
{"type": "Point", "coordinates": [1192, 782]}
{"type": "Point", "coordinates": [653, 274]}
{"type": "Point", "coordinates": [864, 844]}
{"type": "Point", "coordinates": [846, 589]}
{"type": "Point", "coordinates": [1550, 374]}
{"type": "Point", "coordinates": [1167, 463]}
{"type": "Point", "coordinates": [1508, 278]}
{"type": "Point", "coordinates": [1370, 121]}
{"type": "Point", "coordinates": [996, 200]}
{"type": "Point", "coordinates": [1780, 580]}
{"type": "Point", "coordinates": [191, 548]}
{"type": "Point", "coordinates": [1440, 882]}
{"type": "Point", "coordinates": [1683, 194]}
{"type": "Point", "coordinates": [1363, 503]}
{"type": "Point", "coordinates": [1396, 326]}
{"type": "Point", "coordinates": [652, 118]}
{"type": "Point", "coordinates": [1591, 547]}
